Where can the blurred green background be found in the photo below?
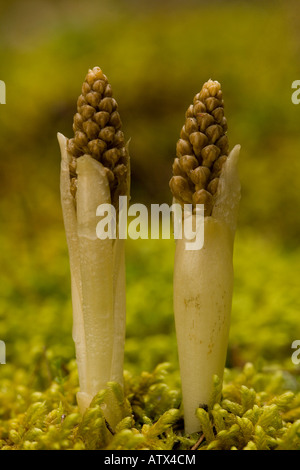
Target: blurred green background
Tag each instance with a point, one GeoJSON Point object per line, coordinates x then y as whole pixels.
{"type": "Point", "coordinates": [156, 55]}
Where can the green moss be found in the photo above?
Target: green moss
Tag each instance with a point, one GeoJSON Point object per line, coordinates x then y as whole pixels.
{"type": "Point", "coordinates": [260, 402]}
{"type": "Point", "coordinates": [150, 415]}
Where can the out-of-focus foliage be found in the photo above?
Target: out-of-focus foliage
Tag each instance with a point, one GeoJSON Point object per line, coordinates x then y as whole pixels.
{"type": "Point", "coordinates": [36, 311]}
{"type": "Point", "coordinates": [157, 58]}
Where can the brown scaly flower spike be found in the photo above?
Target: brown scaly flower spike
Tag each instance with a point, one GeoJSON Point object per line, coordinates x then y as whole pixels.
{"type": "Point", "coordinates": [201, 150]}
{"type": "Point", "coordinates": [98, 132]}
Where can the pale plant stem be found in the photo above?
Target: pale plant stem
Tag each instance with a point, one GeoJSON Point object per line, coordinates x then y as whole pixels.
{"type": "Point", "coordinates": [119, 292]}
{"type": "Point", "coordinates": [98, 281]}
{"type": "Point", "coordinates": [70, 223]}
{"type": "Point", "coordinates": [119, 286]}
{"type": "Point", "coordinates": [96, 264]}
{"type": "Point", "coordinates": [203, 287]}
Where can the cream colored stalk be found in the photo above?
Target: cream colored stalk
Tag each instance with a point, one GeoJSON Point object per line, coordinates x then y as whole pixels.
{"type": "Point", "coordinates": [203, 279]}
{"type": "Point", "coordinates": [94, 171]}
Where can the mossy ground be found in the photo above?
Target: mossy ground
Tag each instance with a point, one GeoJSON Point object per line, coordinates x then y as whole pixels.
{"type": "Point", "coordinates": [260, 404]}
{"type": "Point", "coordinates": [257, 411]}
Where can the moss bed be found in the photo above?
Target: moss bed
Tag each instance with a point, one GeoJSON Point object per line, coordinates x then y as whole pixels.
{"type": "Point", "coordinates": [258, 410]}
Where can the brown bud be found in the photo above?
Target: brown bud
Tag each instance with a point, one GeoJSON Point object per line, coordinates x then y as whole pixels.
{"type": "Point", "coordinates": [204, 129]}
{"type": "Point", "coordinates": [209, 154]}
{"type": "Point", "coordinates": [177, 171]}
{"type": "Point", "coordinates": [188, 163]}
{"type": "Point", "coordinates": [108, 104]}
{"type": "Point", "coordinates": [85, 88]}
{"type": "Point", "coordinates": [213, 186]}
{"type": "Point", "coordinates": [101, 118]}
{"type": "Point", "coordinates": [191, 125]}
{"type": "Point", "coordinates": [77, 122]}
{"type": "Point", "coordinates": [189, 111]}
{"type": "Point", "coordinates": [115, 120]}
{"type": "Point", "coordinates": [183, 147]}
{"type": "Point", "coordinates": [96, 148]}
{"type": "Point", "coordinates": [73, 186]}
{"type": "Point", "coordinates": [108, 90]}
{"type": "Point", "coordinates": [97, 132]}
{"type": "Point", "coordinates": [87, 112]}
{"type": "Point", "coordinates": [223, 145]}
{"type": "Point", "coordinates": [198, 141]}
{"type": "Point", "coordinates": [218, 114]}
{"type": "Point", "coordinates": [204, 120]}
{"type": "Point", "coordinates": [123, 154]}
{"type": "Point", "coordinates": [90, 78]}
{"type": "Point", "coordinates": [199, 176]}
{"type": "Point", "coordinates": [217, 167]}
{"type": "Point", "coordinates": [110, 157]}
{"type": "Point", "coordinates": [99, 75]}
{"type": "Point", "coordinates": [80, 139]}
{"type": "Point", "coordinates": [212, 103]}
{"type": "Point", "coordinates": [224, 124]}
{"type": "Point", "coordinates": [95, 74]}
{"type": "Point", "coordinates": [203, 197]}
{"type": "Point", "coordinates": [72, 167]}
{"type": "Point", "coordinates": [81, 101]}
{"type": "Point", "coordinates": [91, 129]}
{"type": "Point", "coordinates": [183, 134]}
{"type": "Point", "coordinates": [214, 88]}
{"type": "Point", "coordinates": [73, 149]}
{"type": "Point", "coordinates": [199, 108]}
{"type": "Point", "coordinates": [214, 132]}
{"type": "Point", "coordinates": [120, 171]}
{"type": "Point", "coordinates": [204, 94]}
{"type": "Point", "coordinates": [180, 189]}
{"type": "Point", "coordinates": [119, 140]}
{"type": "Point", "coordinates": [99, 86]}
{"type": "Point", "coordinates": [107, 134]}
{"type": "Point", "coordinates": [93, 98]}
